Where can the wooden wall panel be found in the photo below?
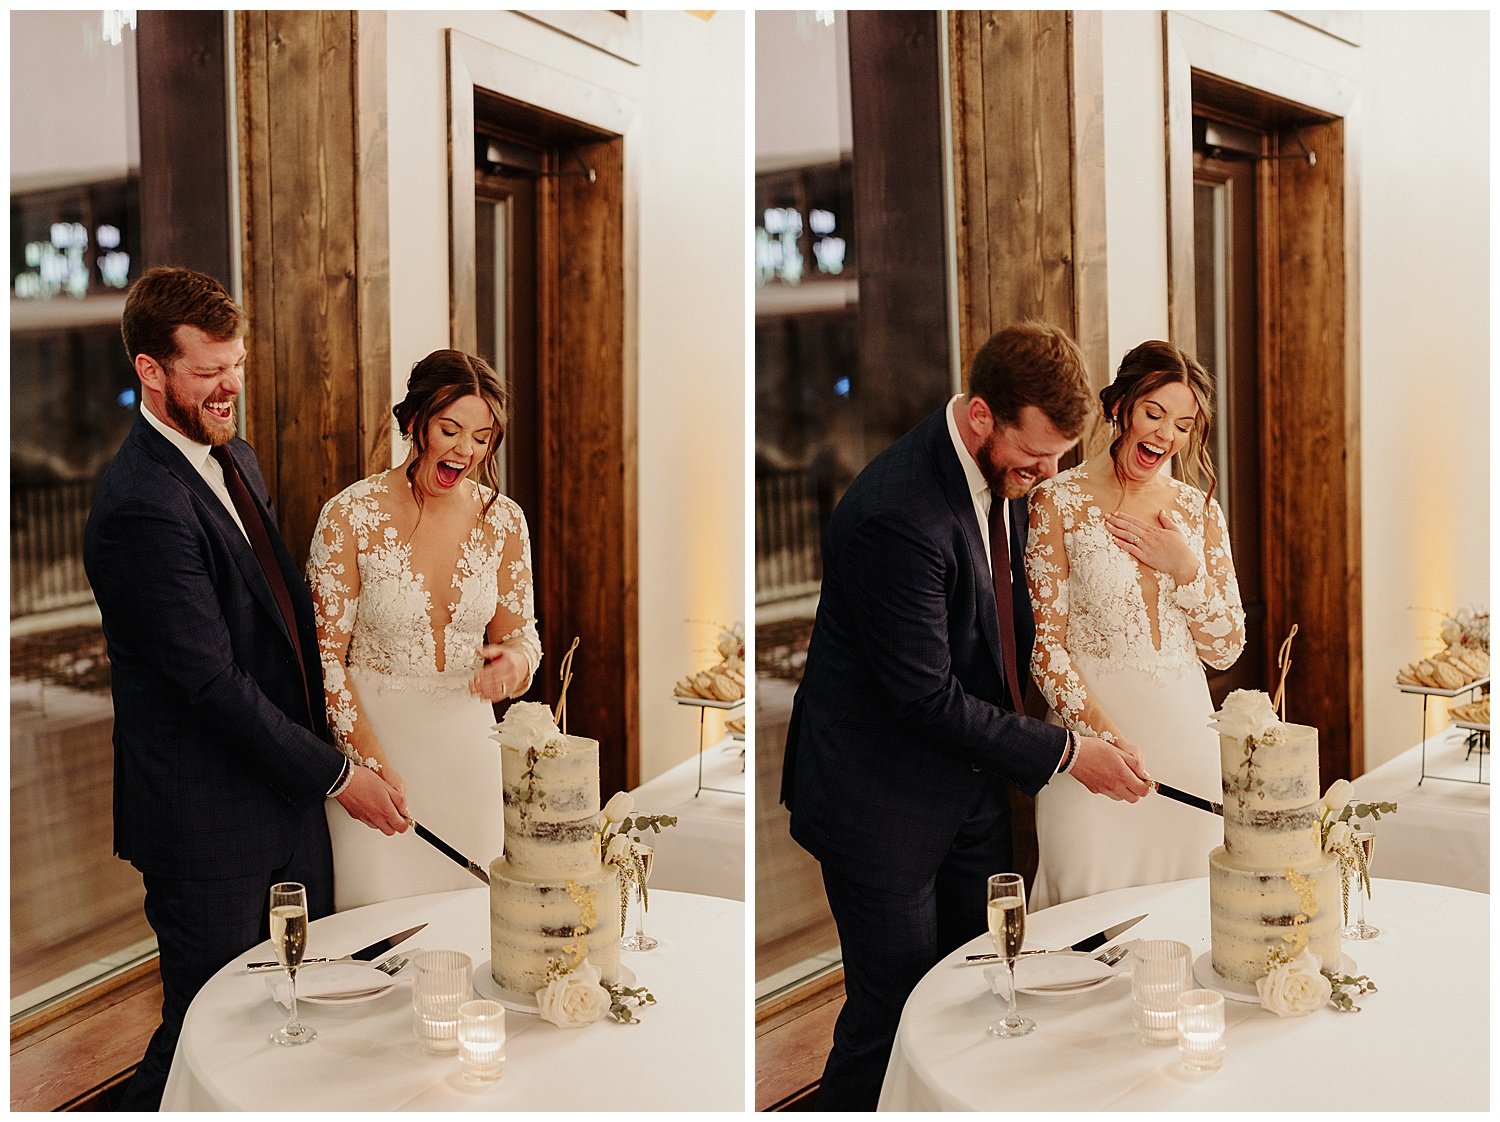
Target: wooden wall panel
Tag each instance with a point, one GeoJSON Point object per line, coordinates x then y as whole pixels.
{"type": "Point", "coordinates": [895, 88]}
{"type": "Point", "coordinates": [315, 267]}
{"type": "Point", "coordinates": [183, 105]}
{"type": "Point", "coordinates": [1027, 95]}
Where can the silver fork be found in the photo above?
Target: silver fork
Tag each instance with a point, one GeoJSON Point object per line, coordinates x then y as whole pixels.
{"type": "Point", "coordinates": [393, 965]}
{"type": "Point", "coordinates": [1113, 955]}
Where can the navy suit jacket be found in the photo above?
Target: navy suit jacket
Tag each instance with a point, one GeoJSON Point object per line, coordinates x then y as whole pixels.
{"type": "Point", "coordinates": [903, 706]}
{"type": "Point", "coordinates": [221, 749]}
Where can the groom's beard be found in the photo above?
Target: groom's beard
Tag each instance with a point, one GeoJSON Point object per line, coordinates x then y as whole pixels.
{"type": "Point", "coordinates": [193, 424]}
{"type": "Point", "coordinates": [1009, 482]}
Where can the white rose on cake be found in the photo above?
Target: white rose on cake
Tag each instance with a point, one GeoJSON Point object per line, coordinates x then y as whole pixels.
{"type": "Point", "coordinates": [527, 724]}
{"type": "Point", "coordinates": [1338, 837]}
{"type": "Point", "coordinates": [574, 999]}
{"type": "Point", "coordinates": [1246, 713]}
{"type": "Point", "coordinates": [1295, 988]}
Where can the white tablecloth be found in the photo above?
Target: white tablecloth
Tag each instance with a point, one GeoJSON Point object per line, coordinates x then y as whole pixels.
{"type": "Point", "coordinates": [705, 851]}
{"type": "Point", "coordinates": [1441, 833]}
{"type": "Point", "coordinates": [687, 1054]}
{"type": "Point", "coordinates": [1421, 1043]}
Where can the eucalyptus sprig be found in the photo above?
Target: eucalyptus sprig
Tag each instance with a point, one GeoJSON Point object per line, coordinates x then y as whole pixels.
{"type": "Point", "coordinates": [640, 823]}
{"type": "Point", "coordinates": [1343, 986]}
{"type": "Point", "coordinates": [620, 998]}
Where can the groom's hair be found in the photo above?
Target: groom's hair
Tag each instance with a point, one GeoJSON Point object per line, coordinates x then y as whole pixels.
{"type": "Point", "coordinates": [1034, 364]}
{"type": "Point", "coordinates": [168, 297]}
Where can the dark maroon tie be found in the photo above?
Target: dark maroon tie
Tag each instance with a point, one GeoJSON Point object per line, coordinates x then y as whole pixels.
{"type": "Point", "coordinates": [265, 552]}
{"type": "Point", "coordinates": [1005, 609]}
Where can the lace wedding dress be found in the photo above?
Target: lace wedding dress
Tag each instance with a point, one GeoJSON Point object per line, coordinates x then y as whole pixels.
{"type": "Point", "coordinates": [1119, 651]}
{"type": "Point", "coordinates": [390, 662]}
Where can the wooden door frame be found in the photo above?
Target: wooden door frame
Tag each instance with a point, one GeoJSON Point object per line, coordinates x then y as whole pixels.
{"type": "Point", "coordinates": [1309, 249]}
{"type": "Point", "coordinates": [587, 360]}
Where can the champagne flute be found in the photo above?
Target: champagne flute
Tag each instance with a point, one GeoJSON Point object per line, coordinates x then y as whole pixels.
{"type": "Point", "coordinates": [1007, 920]}
{"type": "Point", "coordinates": [1360, 929]}
{"type": "Point", "coordinates": [640, 941]}
{"type": "Point", "coordinates": [289, 941]}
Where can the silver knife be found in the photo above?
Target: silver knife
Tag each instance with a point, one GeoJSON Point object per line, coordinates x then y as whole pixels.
{"type": "Point", "coordinates": [364, 954]}
{"type": "Point", "coordinates": [1093, 941]}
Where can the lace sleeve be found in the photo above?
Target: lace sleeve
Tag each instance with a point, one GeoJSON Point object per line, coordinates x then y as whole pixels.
{"type": "Point", "coordinates": [1211, 601]}
{"type": "Point", "coordinates": [333, 577]}
{"type": "Point", "coordinates": [1051, 666]}
{"type": "Point", "coordinates": [514, 623]}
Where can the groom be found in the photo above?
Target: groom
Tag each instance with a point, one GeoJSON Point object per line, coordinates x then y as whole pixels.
{"type": "Point", "coordinates": [222, 759]}
{"type": "Point", "coordinates": [907, 729]}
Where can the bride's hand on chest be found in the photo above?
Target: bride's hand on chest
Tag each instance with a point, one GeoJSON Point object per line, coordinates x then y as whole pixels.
{"type": "Point", "coordinates": [1158, 544]}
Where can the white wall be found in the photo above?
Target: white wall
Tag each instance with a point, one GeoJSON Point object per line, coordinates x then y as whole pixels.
{"type": "Point", "coordinates": [690, 90]}
{"type": "Point", "coordinates": [1424, 302]}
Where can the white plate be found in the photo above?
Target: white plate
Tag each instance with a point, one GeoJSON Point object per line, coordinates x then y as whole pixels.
{"type": "Point", "coordinates": [1055, 974]}
{"type": "Point", "coordinates": [338, 983]}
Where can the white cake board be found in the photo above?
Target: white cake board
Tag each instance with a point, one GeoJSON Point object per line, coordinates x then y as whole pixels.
{"type": "Point", "coordinates": [486, 986]}
{"type": "Point", "coordinates": [1206, 976]}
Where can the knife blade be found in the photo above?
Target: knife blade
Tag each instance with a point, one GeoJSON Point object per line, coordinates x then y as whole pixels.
{"type": "Point", "coordinates": [1187, 799]}
{"type": "Point", "coordinates": [1087, 944]}
{"type": "Point", "coordinates": [448, 851]}
{"type": "Point", "coordinates": [364, 954]}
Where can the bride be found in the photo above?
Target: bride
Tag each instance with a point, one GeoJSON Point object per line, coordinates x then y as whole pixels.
{"type": "Point", "coordinates": [1133, 589]}
{"type": "Point", "coordinates": [421, 579]}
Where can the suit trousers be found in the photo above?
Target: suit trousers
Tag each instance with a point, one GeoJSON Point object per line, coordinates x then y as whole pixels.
{"type": "Point", "coordinates": [889, 940]}
{"type": "Point", "coordinates": [201, 925]}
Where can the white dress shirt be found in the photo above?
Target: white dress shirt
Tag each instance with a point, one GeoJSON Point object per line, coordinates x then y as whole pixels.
{"type": "Point", "coordinates": [979, 490]}
{"type": "Point", "coordinates": [199, 455]}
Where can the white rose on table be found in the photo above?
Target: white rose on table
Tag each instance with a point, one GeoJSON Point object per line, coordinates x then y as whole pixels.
{"type": "Point", "coordinates": [527, 724]}
{"type": "Point", "coordinates": [1295, 988]}
{"type": "Point", "coordinates": [620, 804]}
{"type": "Point", "coordinates": [1338, 837]}
{"type": "Point", "coordinates": [1338, 795]}
{"type": "Point", "coordinates": [575, 999]}
{"type": "Point", "coordinates": [1245, 713]}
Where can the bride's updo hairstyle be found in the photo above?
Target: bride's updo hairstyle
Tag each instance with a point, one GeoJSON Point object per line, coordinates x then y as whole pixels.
{"type": "Point", "coordinates": [1153, 364]}
{"type": "Point", "coordinates": [436, 382]}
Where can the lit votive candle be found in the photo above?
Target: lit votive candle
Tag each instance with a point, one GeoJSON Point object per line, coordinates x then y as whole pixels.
{"type": "Point", "coordinates": [481, 1040]}
{"type": "Point", "coordinates": [1200, 1029]}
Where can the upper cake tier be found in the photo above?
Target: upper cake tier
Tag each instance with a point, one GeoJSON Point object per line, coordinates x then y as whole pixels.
{"type": "Point", "coordinates": [550, 787]}
{"type": "Point", "coordinates": [1270, 777]}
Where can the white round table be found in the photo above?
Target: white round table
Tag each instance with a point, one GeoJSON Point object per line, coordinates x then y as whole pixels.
{"type": "Point", "coordinates": [705, 851]}
{"type": "Point", "coordinates": [687, 1054]}
{"type": "Point", "coordinates": [1420, 1043]}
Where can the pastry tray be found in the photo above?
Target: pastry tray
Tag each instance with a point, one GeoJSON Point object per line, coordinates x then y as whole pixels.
{"type": "Point", "coordinates": [1467, 687]}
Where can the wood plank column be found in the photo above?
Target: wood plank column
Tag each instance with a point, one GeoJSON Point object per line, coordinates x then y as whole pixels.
{"type": "Point", "coordinates": [314, 205]}
{"type": "Point", "coordinates": [1028, 175]}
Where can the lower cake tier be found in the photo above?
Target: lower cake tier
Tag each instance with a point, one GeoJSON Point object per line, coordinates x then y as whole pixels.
{"type": "Point", "coordinates": [533, 923]}
{"type": "Point", "coordinates": [1253, 910]}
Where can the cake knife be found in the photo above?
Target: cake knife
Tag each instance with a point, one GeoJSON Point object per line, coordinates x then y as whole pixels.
{"type": "Point", "coordinates": [448, 851]}
{"type": "Point", "coordinates": [364, 954]}
{"type": "Point", "coordinates": [1083, 946]}
{"type": "Point", "coordinates": [1186, 799]}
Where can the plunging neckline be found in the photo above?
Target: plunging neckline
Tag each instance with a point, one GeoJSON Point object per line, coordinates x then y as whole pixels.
{"type": "Point", "coordinates": [1143, 572]}
{"type": "Point", "coordinates": [402, 547]}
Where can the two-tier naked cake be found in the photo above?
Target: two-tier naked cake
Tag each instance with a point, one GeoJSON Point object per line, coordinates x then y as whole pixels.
{"type": "Point", "coordinates": [553, 902]}
{"type": "Point", "coordinates": [1270, 885]}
